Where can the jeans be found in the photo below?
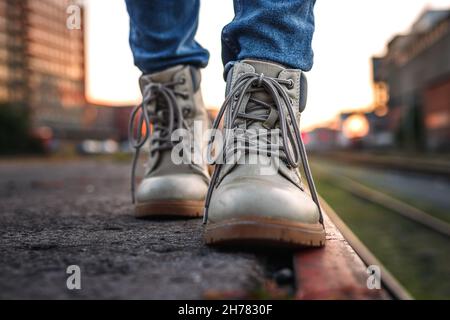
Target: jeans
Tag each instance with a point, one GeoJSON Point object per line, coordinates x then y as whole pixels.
{"type": "Point", "coordinates": [162, 33]}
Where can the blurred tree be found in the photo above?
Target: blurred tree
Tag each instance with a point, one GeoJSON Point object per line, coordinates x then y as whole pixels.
{"type": "Point", "coordinates": [16, 132]}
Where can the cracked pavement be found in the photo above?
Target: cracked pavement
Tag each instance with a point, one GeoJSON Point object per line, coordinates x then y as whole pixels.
{"type": "Point", "coordinates": [56, 213]}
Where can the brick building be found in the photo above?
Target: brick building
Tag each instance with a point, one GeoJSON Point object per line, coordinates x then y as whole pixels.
{"type": "Point", "coordinates": [413, 78]}
{"type": "Point", "coordinates": [42, 67]}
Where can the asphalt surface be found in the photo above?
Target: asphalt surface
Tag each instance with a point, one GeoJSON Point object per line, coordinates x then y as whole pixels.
{"type": "Point", "coordinates": [54, 214]}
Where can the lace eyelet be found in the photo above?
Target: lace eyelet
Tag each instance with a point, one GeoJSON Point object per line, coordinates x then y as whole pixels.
{"type": "Point", "coordinates": [182, 80]}
{"type": "Point", "coordinates": [290, 84]}
{"type": "Point", "coordinates": [186, 111]}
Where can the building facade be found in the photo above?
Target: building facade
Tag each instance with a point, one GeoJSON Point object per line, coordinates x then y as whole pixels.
{"type": "Point", "coordinates": [413, 79]}
{"type": "Point", "coordinates": [42, 67]}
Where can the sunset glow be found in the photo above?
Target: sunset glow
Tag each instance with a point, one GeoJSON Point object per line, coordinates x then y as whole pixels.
{"type": "Point", "coordinates": [348, 33]}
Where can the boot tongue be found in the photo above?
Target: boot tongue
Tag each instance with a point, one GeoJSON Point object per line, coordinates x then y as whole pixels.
{"type": "Point", "coordinates": [269, 69]}
{"type": "Point", "coordinates": [272, 70]}
{"type": "Point", "coordinates": [160, 77]}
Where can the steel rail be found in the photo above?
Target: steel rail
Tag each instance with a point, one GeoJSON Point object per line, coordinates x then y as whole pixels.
{"type": "Point", "coordinates": [389, 282]}
{"type": "Point", "coordinates": [404, 209]}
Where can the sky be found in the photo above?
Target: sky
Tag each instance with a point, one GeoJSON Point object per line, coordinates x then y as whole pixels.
{"type": "Point", "coordinates": [348, 33]}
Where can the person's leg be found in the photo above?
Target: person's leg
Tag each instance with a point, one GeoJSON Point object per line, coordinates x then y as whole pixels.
{"type": "Point", "coordinates": [272, 30]}
{"type": "Point", "coordinates": [162, 40]}
{"type": "Point", "coordinates": [162, 34]}
{"type": "Point", "coordinates": [257, 195]}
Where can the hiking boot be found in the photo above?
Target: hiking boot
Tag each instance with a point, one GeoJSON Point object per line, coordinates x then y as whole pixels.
{"type": "Point", "coordinates": [256, 196]}
{"type": "Point", "coordinates": [171, 100]}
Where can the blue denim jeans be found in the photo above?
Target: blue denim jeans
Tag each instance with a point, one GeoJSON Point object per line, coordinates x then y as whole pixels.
{"type": "Point", "coordinates": [162, 33]}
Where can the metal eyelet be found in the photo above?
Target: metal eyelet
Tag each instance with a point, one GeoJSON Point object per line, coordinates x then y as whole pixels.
{"type": "Point", "coordinates": [185, 95]}
{"type": "Point", "coordinates": [290, 84]}
{"type": "Point", "coordinates": [186, 111]}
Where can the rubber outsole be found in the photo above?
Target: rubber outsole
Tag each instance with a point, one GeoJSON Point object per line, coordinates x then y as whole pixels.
{"type": "Point", "coordinates": [265, 232]}
{"type": "Point", "coordinates": [174, 208]}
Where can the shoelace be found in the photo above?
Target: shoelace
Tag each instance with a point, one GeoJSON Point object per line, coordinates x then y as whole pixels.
{"type": "Point", "coordinates": [250, 82]}
{"type": "Point", "coordinates": [164, 122]}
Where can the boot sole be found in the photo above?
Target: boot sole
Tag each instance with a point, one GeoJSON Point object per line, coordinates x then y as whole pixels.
{"type": "Point", "coordinates": [175, 208]}
{"type": "Point", "coordinates": [265, 232]}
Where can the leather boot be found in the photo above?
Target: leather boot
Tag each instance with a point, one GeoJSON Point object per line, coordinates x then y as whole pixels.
{"type": "Point", "coordinates": [171, 100]}
{"type": "Point", "coordinates": [247, 202]}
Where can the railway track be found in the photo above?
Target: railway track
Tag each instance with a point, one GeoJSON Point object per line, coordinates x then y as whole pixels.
{"type": "Point", "coordinates": [386, 201]}
{"type": "Point", "coordinates": [435, 229]}
{"type": "Point", "coordinates": [430, 166]}
{"type": "Point", "coordinates": [342, 268]}
{"type": "Point", "coordinates": [389, 282]}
